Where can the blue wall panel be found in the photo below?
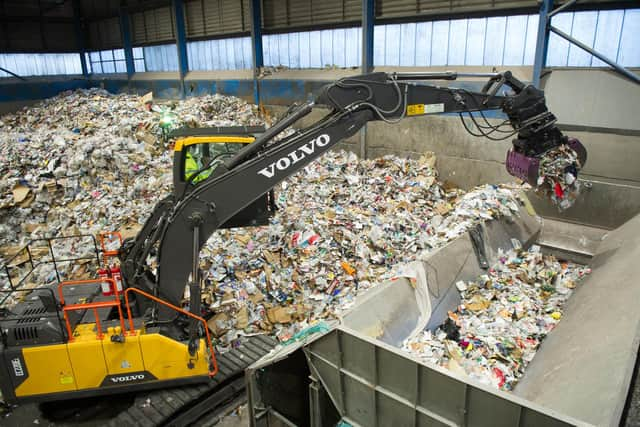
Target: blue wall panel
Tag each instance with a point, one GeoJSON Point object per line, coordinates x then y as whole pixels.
{"type": "Point", "coordinates": [240, 88]}
{"type": "Point", "coordinates": [200, 87]}
{"type": "Point", "coordinates": [113, 86]}
{"type": "Point", "coordinates": [285, 92]}
{"type": "Point", "coordinates": [30, 90]}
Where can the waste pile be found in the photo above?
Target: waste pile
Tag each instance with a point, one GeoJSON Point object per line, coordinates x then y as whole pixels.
{"type": "Point", "coordinates": [343, 225]}
{"type": "Point", "coordinates": [94, 160]}
{"type": "Point", "coordinates": [87, 161]}
{"type": "Point", "coordinates": [502, 319]}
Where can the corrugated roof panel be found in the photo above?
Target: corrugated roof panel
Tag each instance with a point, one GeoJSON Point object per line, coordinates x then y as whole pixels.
{"type": "Point", "coordinates": [212, 17]}
{"type": "Point", "coordinates": [300, 13]}
{"type": "Point", "coordinates": [232, 12]}
{"type": "Point", "coordinates": [138, 28]}
{"type": "Point", "coordinates": [60, 36]}
{"type": "Point", "coordinates": [25, 37]}
{"type": "Point", "coordinates": [104, 34]}
{"type": "Point", "coordinates": [352, 10]}
{"type": "Point", "coordinates": [21, 8]}
{"type": "Point", "coordinates": [153, 26]}
{"type": "Point", "coordinates": [194, 18]}
{"type": "Point", "coordinates": [407, 8]}
{"type": "Point", "coordinates": [246, 9]}
{"type": "Point", "coordinates": [164, 25]}
{"type": "Point", "coordinates": [278, 14]}
{"type": "Point", "coordinates": [327, 11]}
{"type": "Point", "coordinates": [58, 10]}
{"type": "Point", "coordinates": [275, 14]}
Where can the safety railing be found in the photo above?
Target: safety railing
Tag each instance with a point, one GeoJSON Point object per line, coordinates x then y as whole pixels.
{"type": "Point", "coordinates": [106, 236]}
{"type": "Point", "coordinates": [26, 256]}
{"type": "Point", "coordinates": [213, 370]}
{"type": "Point", "coordinates": [90, 305]}
{"type": "Point", "coordinates": [213, 366]}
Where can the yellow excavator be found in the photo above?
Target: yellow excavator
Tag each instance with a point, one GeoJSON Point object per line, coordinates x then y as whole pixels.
{"type": "Point", "coordinates": [127, 330]}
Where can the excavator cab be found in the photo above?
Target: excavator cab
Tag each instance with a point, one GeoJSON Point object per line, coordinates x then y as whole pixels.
{"type": "Point", "coordinates": [199, 152]}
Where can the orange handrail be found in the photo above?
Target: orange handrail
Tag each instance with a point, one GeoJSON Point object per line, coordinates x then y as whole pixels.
{"type": "Point", "coordinates": [103, 235]}
{"type": "Point", "coordinates": [90, 305]}
{"type": "Point", "coordinates": [179, 310]}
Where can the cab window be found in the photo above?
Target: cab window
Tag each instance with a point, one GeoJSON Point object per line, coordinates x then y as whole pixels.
{"type": "Point", "coordinates": [201, 159]}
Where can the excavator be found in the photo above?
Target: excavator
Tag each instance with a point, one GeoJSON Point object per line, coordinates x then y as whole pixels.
{"type": "Point", "coordinates": [127, 330]}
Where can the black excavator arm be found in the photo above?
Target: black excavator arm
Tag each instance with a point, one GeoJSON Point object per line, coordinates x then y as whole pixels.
{"type": "Point", "coordinates": [180, 226]}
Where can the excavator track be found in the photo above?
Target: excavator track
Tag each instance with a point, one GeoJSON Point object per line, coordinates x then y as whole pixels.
{"type": "Point", "coordinates": [176, 406]}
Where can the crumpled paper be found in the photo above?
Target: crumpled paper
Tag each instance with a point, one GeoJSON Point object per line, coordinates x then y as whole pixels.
{"type": "Point", "coordinates": [502, 319]}
{"type": "Point", "coordinates": [558, 176]}
{"type": "Point", "coordinates": [88, 161]}
{"type": "Point", "coordinates": [343, 225]}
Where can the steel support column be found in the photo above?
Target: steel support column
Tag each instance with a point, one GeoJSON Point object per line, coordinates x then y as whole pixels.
{"type": "Point", "coordinates": [77, 24]}
{"type": "Point", "coordinates": [257, 53]}
{"type": "Point", "coordinates": [542, 43]}
{"type": "Point", "coordinates": [181, 42]}
{"type": "Point", "coordinates": [368, 20]}
{"type": "Point", "coordinates": [125, 29]}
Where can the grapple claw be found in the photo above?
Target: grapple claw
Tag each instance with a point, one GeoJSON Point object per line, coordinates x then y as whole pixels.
{"type": "Point", "coordinates": [552, 173]}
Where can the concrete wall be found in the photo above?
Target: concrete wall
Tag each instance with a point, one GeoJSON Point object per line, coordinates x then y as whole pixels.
{"type": "Point", "coordinates": [593, 97]}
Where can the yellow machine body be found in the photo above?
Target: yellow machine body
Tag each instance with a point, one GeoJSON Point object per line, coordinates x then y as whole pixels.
{"type": "Point", "coordinates": [88, 365]}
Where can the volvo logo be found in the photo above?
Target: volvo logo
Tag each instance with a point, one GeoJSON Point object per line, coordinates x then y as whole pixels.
{"type": "Point", "coordinates": [295, 156]}
{"type": "Point", "coordinates": [134, 377]}
{"type": "Point", "coordinates": [127, 378]}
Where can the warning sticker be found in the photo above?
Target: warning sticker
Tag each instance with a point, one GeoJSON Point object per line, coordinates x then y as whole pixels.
{"type": "Point", "coordinates": [415, 109]}
{"type": "Point", "coordinates": [419, 109]}
{"type": "Point", "coordinates": [434, 108]}
{"type": "Point", "coordinates": [66, 379]}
